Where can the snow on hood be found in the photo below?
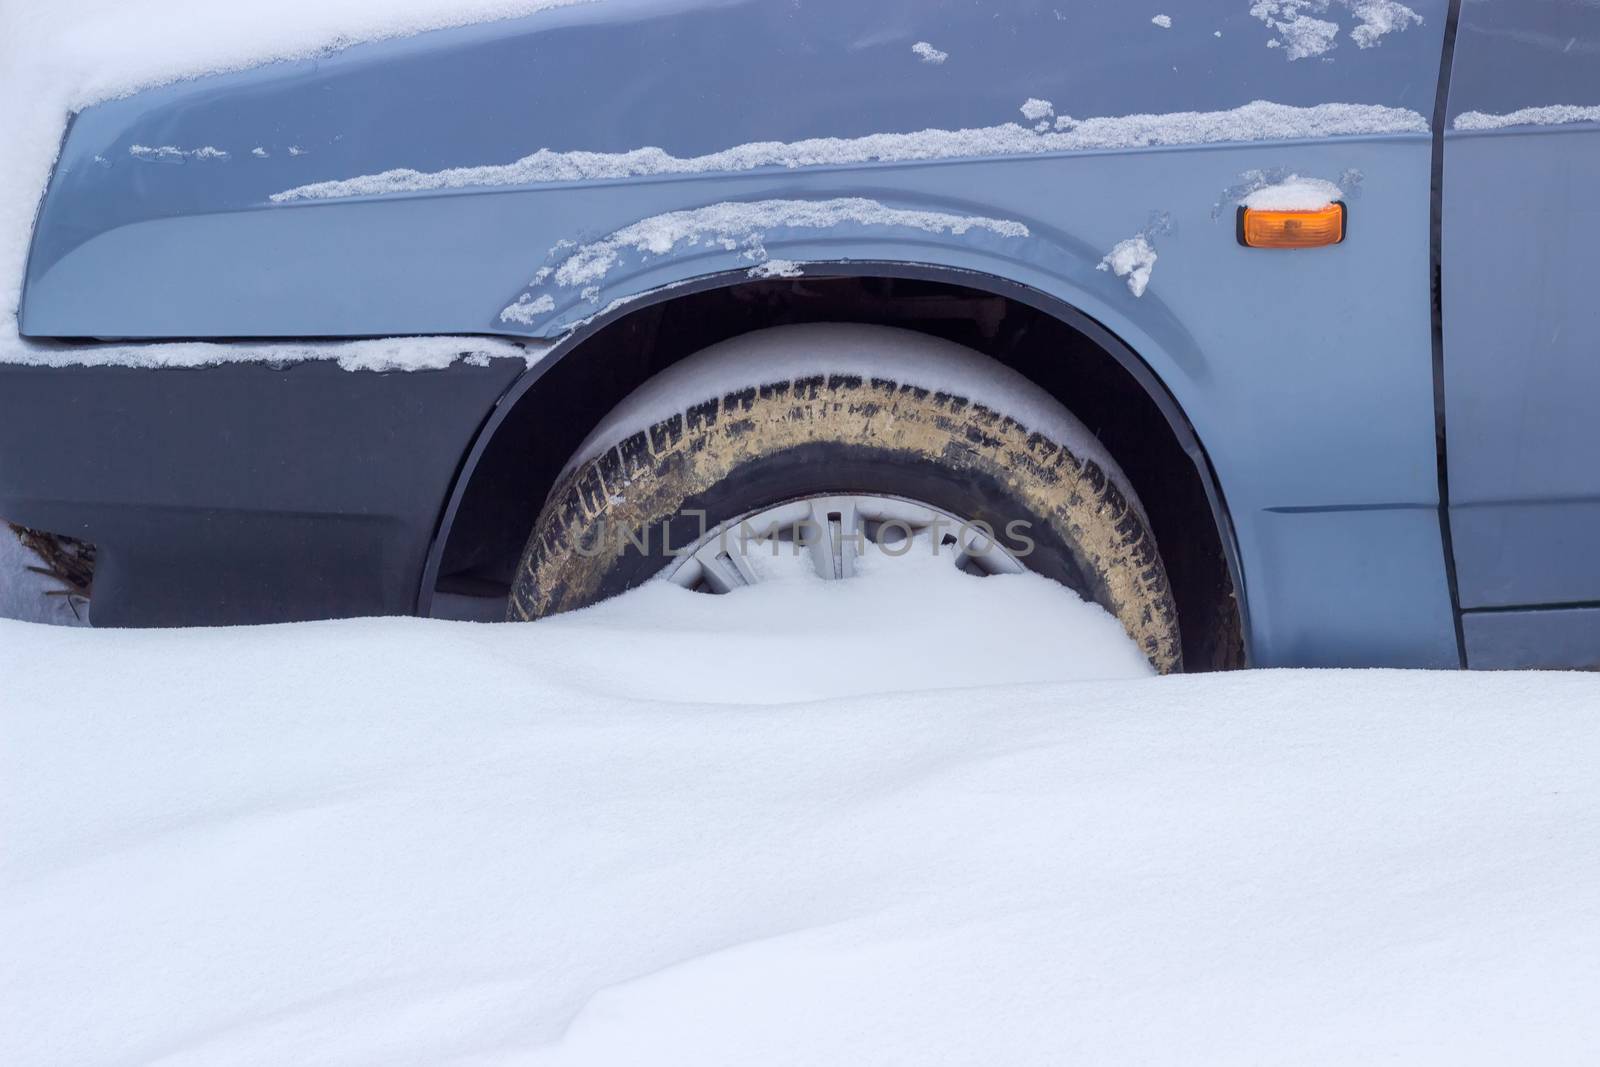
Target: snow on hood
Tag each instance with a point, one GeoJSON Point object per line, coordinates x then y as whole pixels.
{"type": "Point", "coordinates": [63, 56]}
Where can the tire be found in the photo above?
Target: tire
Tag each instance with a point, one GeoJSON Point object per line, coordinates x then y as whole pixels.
{"type": "Point", "coordinates": [797, 411]}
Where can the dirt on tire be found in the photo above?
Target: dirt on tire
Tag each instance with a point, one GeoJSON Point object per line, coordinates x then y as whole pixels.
{"type": "Point", "coordinates": [653, 474]}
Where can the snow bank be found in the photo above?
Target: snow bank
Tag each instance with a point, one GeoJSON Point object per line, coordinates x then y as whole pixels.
{"type": "Point", "coordinates": [732, 225]}
{"type": "Point", "coordinates": [1257, 121]}
{"type": "Point", "coordinates": [1554, 115]}
{"type": "Point", "coordinates": [679, 829]}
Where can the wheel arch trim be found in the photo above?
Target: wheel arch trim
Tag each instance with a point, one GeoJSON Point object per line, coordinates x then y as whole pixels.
{"type": "Point", "coordinates": [570, 344]}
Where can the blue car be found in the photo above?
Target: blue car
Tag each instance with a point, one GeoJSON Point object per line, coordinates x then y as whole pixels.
{"type": "Point", "coordinates": [1269, 325]}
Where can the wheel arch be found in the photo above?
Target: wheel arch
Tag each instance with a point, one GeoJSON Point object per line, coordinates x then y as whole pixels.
{"type": "Point", "coordinates": [522, 418]}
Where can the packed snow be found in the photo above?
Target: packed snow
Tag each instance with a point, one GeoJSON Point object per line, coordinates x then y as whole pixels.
{"type": "Point", "coordinates": [777, 268]}
{"type": "Point", "coordinates": [741, 224]}
{"type": "Point", "coordinates": [1133, 259]}
{"type": "Point", "coordinates": [1287, 187]}
{"type": "Point", "coordinates": [1299, 34]}
{"type": "Point", "coordinates": [929, 54]}
{"type": "Point", "coordinates": [917, 818]}
{"type": "Point", "coordinates": [1302, 35]}
{"type": "Point", "coordinates": [173, 154]}
{"type": "Point", "coordinates": [1379, 18]}
{"type": "Point", "coordinates": [1294, 193]}
{"type": "Point", "coordinates": [733, 226]}
{"type": "Point", "coordinates": [859, 349]}
{"type": "Point", "coordinates": [382, 354]}
{"type": "Point", "coordinates": [1552, 115]}
{"type": "Point", "coordinates": [1257, 121]}
{"type": "Point", "coordinates": [528, 309]}
{"type": "Point", "coordinates": [1033, 109]}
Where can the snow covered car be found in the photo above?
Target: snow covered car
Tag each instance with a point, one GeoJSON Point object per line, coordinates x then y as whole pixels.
{"type": "Point", "coordinates": [1266, 324]}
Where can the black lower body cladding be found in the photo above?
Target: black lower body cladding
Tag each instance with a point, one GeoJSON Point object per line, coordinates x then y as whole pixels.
{"type": "Point", "coordinates": [241, 493]}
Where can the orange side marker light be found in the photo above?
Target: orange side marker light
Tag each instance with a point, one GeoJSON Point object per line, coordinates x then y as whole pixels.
{"type": "Point", "coordinates": [1292, 229]}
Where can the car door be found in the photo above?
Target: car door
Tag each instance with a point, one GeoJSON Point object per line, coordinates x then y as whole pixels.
{"type": "Point", "coordinates": [1521, 329]}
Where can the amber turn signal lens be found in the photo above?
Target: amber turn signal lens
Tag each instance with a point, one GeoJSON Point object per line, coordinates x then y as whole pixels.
{"type": "Point", "coordinates": [1291, 229]}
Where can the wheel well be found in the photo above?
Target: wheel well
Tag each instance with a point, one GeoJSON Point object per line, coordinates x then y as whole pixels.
{"type": "Point", "coordinates": [518, 465]}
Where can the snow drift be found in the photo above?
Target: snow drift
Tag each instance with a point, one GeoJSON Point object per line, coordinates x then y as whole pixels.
{"type": "Point", "coordinates": [943, 820]}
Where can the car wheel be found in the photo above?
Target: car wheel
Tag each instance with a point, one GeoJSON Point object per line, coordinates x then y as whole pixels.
{"type": "Point", "coordinates": [822, 442]}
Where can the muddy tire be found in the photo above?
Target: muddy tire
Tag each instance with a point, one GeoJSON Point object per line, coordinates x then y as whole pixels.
{"type": "Point", "coordinates": [796, 411]}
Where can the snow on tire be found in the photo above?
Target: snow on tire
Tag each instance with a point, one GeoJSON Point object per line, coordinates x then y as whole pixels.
{"type": "Point", "coordinates": [798, 411]}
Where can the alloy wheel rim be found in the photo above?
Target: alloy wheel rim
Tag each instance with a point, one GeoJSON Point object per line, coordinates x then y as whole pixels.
{"type": "Point", "coordinates": [835, 537]}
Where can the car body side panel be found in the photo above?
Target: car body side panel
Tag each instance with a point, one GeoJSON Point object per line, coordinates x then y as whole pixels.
{"type": "Point", "coordinates": [688, 76]}
{"type": "Point", "coordinates": [1548, 639]}
{"type": "Point", "coordinates": [1307, 376]}
{"type": "Point", "coordinates": [1521, 246]}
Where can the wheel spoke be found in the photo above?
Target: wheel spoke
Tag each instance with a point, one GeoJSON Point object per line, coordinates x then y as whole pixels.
{"type": "Point", "coordinates": [984, 552]}
{"type": "Point", "coordinates": [835, 535]}
{"type": "Point", "coordinates": [723, 571]}
{"type": "Point", "coordinates": [832, 533]}
{"type": "Point", "coordinates": [852, 539]}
